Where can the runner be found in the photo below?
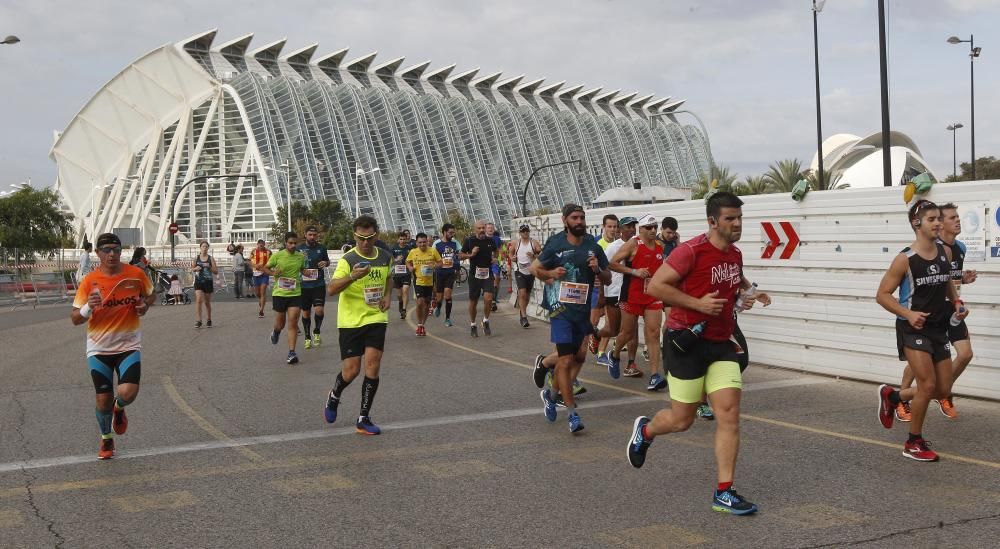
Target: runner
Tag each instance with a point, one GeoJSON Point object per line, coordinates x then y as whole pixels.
{"type": "Point", "coordinates": [110, 301]}
{"type": "Point", "coordinates": [927, 299]}
{"type": "Point", "coordinates": [609, 234]}
{"type": "Point", "coordinates": [401, 276]}
{"type": "Point", "coordinates": [313, 287]}
{"type": "Point", "coordinates": [258, 259]}
{"type": "Point", "coordinates": [421, 261]}
{"type": "Point", "coordinates": [491, 232]}
{"type": "Point", "coordinates": [362, 280]}
{"type": "Point", "coordinates": [204, 269]}
{"type": "Point", "coordinates": [84, 267]}
{"type": "Point", "coordinates": [700, 280]}
{"type": "Point", "coordinates": [612, 297]}
{"type": "Point", "coordinates": [958, 335]}
{"type": "Point", "coordinates": [286, 267]}
{"type": "Point", "coordinates": [524, 251]}
{"type": "Point", "coordinates": [481, 251]}
{"type": "Point", "coordinates": [646, 257]}
{"type": "Point", "coordinates": [444, 277]}
{"type": "Point", "coordinates": [568, 265]}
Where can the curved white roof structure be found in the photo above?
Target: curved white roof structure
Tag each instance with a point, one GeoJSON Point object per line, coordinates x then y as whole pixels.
{"type": "Point", "coordinates": [305, 125]}
{"type": "Point", "coordinates": [858, 160]}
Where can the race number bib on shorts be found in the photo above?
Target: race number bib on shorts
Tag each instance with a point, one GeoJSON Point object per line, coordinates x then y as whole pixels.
{"type": "Point", "coordinates": [310, 275]}
{"type": "Point", "coordinates": [373, 296]}
{"type": "Point", "coordinates": [426, 270]}
{"type": "Point", "coordinates": [482, 273]}
{"type": "Point", "coordinates": [573, 292]}
{"type": "Point", "coordinates": [258, 273]}
{"type": "Point", "coordinates": [447, 261]}
{"type": "Point", "coordinates": [399, 269]}
{"type": "Point", "coordinates": [285, 283]}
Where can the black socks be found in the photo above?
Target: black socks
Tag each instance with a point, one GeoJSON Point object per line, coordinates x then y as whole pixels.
{"type": "Point", "coordinates": [368, 389]}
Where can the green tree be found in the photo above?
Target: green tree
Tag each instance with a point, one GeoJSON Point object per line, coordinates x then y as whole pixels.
{"type": "Point", "coordinates": [31, 221]}
{"type": "Point", "coordinates": [462, 226]}
{"type": "Point", "coordinates": [720, 175]}
{"type": "Point", "coordinates": [753, 184]}
{"type": "Point", "coordinates": [987, 167]}
{"type": "Point", "coordinates": [783, 175]}
{"type": "Point", "coordinates": [827, 184]}
{"type": "Point", "coordinates": [280, 227]}
{"type": "Point", "coordinates": [328, 216]}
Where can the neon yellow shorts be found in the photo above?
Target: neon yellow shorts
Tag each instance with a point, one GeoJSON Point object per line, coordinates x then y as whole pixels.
{"type": "Point", "coordinates": [719, 375]}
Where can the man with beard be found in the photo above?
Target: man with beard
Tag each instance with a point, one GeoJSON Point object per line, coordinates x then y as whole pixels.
{"type": "Point", "coordinates": [313, 287]}
{"type": "Point", "coordinates": [481, 251]}
{"type": "Point", "coordinates": [400, 274]}
{"type": "Point", "coordinates": [444, 276]}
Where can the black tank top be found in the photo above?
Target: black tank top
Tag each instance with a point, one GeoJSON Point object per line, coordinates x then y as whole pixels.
{"type": "Point", "coordinates": [925, 287]}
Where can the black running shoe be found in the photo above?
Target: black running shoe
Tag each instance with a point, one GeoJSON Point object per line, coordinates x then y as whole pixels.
{"type": "Point", "coordinates": [539, 371]}
{"type": "Point", "coordinates": [486, 328]}
{"type": "Point", "coordinates": [473, 331]}
{"type": "Point", "coordinates": [638, 444]}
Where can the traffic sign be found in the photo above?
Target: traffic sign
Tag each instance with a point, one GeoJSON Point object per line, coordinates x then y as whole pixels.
{"type": "Point", "coordinates": [773, 242]}
{"type": "Point", "coordinates": [173, 228]}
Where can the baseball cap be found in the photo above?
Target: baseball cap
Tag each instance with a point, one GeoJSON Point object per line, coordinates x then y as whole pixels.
{"type": "Point", "coordinates": [648, 219]}
{"type": "Point", "coordinates": [570, 208]}
{"type": "Point", "coordinates": [108, 238]}
{"type": "Point", "coordinates": [524, 228]}
{"type": "Point", "coordinates": [627, 220]}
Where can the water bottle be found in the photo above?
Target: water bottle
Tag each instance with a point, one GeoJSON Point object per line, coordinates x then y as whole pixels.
{"type": "Point", "coordinates": [954, 317]}
{"type": "Point", "coordinates": [743, 297]}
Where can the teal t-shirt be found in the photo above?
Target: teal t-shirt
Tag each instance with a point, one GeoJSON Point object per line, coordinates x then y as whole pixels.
{"type": "Point", "coordinates": [569, 297]}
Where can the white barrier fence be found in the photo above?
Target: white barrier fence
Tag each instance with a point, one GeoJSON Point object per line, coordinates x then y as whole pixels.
{"type": "Point", "coordinates": [824, 318]}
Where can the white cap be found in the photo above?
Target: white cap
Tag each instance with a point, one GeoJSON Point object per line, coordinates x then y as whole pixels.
{"type": "Point", "coordinates": [647, 219]}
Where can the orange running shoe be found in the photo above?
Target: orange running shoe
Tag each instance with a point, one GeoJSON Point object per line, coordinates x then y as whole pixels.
{"type": "Point", "coordinates": [119, 421]}
{"type": "Point", "coordinates": [903, 412]}
{"type": "Point", "coordinates": [107, 450]}
{"type": "Point", "coordinates": [947, 408]}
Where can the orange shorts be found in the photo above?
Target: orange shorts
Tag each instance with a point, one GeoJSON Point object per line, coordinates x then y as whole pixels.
{"type": "Point", "coordinates": [638, 309]}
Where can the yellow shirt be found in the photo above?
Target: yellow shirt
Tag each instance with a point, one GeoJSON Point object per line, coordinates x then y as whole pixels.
{"type": "Point", "coordinates": [423, 265]}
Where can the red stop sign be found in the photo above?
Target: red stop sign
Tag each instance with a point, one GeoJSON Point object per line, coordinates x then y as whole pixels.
{"type": "Point", "coordinates": [173, 228]}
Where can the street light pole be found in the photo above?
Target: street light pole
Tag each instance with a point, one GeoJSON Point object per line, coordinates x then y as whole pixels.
{"type": "Point", "coordinates": [954, 151]}
{"type": "Point", "coordinates": [818, 7]}
{"type": "Point", "coordinates": [288, 194]}
{"type": "Point", "coordinates": [173, 201]}
{"type": "Point", "coordinates": [973, 54]}
{"type": "Point", "coordinates": [884, 77]}
{"type": "Point", "coordinates": [524, 191]}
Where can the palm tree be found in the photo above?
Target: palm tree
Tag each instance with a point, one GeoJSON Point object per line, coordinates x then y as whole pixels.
{"type": "Point", "coordinates": [827, 184]}
{"type": "Point", "coordinates": [723, 179]}
{"type": "Point", "coordinates": [754, 184]}
{"type": "Point", "coordinates": [781, 177]}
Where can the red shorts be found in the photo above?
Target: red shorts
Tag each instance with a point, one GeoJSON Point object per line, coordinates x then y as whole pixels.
{"type": "Point", "coordinates": [638, 309]}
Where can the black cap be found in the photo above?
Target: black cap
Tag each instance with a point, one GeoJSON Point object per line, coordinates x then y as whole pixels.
{"type": "Point", "coordinates": [524, 228]}
{"type": "Point", "coordinates": [108, 238]}
{"type": "Point", "coordinates": [570, 208]}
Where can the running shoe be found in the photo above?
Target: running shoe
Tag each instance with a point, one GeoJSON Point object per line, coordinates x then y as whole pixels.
{"type": "Point", "coordinates": [614, 366]}
{"type": "Point", "coordinates": [119, 421]}
{"type": "Point", "coordinates": [402, 314]}
{"type": "Point", "coordinates": [260, 314]}
{"type": "Point", "coordinates": [365, 426]}
{"type": "Point", "coordinates": [637, 443]}
{"type": "Point", "coordinates": [493, 308]}
{"type": "Point", "coordinates": [107, 448]}
{"type": "Point", "coordinates": [274, 337]}
{"type": "Point", "coordinates": [330, 410]}
{"type": "Point", "coordinates": [524, 322]}
{"type": "Point", "coordinates": [705, 412]}
{"type": "Point", "coordinates": [575, 424]}
{"type": "Point", "coordinates": [437, 310]}
{"type": "Point", "coordinates": [448, 323]}
{"type": "Point", "coordinates": [632, 370]}
{"type": "Point", "coordinates": [578, 388]}
{"type": "Point", "coordinates": [473, 331]}
{"type": "Point", "coordinates": [645, 353]}
{"type": "Point", "coordinates": [592, 344]}
{"type": "Point", "coordinates": [317, 340]}
{"type": "Point", "coordinates": [885, 406]}
{"type": "Point", "coordinates": [903, 412]}
{"type": "Point", "coordinates": [602, 360]}
{"type": "Point", "coordinates": [947, 408]}
{"type": "Point", "coordinates": [308, 343]}
{"type": "Point", "coordinates": [197, 324]}
{"type": "Point", "coordinates": [421, 331]}
{"type": "Point", "coordinates": [549, 405]}
{"type": "Point", "coordinates": [656, 383]}
{"type": "Point", "coordinates": [292, 358]}
{"type": "Point", "coordinates": [208, 323]}
{"type": "Point", "coordinates": [560, 402]}
{"type": "Point", "coordinates": [728, 501]}
{"type": "Point", "coordinates": [486, 328]}
{"type": "Point", "coordinates": [919, 450]}
{"type": "Point", "coordinates": [539, 371]}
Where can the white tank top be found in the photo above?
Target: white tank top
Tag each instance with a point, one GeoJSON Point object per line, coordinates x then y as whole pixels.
{"type": "Point", "coordinates": [523, 258]}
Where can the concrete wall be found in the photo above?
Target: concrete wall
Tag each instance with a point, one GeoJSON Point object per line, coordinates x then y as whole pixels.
{"type": "Point", "coordinates": [824, 317]}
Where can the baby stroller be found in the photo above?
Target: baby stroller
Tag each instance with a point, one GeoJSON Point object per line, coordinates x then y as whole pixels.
{"type": "Point", "coordinates": [163, 286]}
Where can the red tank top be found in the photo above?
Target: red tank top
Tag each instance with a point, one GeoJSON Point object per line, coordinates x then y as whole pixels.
{"type": "Point", "coordinates": [650, 259]}
{"type": "Point", "coordinates": [704, 269]}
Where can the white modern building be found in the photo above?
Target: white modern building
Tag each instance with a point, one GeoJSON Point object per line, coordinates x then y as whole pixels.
{"type": "Point", "coordinates": [189, 122]}
{"type": "Point", "coordinates": [858, 160]}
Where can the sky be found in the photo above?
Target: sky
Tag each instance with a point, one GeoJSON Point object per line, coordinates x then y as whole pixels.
{"type": "Point", "coordinates": [746, 67]}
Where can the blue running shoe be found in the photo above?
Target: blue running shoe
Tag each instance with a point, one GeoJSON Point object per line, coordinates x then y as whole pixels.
{"type": "Point", "coordinates": [437, 310]}
{"type": "Point", "coordinates": [728, 501]}
{"type": "Point", "coordinates": [602, 360]}
{"type": "Point", "coordinates": [638, 444]}
{"type": "Point", "coordinates": [365, 426]}
{"type": "Point", "coordinates": [656, 382]}
{"type": "Point", "coordinates": [614, 366]}
{"type": "Point", "coordinates": [330, 411]}
{"type": "Point", "coordinates": [448, 322]}
{"type": "Point", "coordinates": [575, 425]}
{"type": "Point", "coordinates": [550, 405]}
{"type": "Point", "coordinates": [274, 337]}
{"type": "Point", "coordinates": [705, 412]}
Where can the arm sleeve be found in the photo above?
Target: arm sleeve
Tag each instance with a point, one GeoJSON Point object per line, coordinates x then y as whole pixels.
{"type": "Point", "coordinates": [681, 260]}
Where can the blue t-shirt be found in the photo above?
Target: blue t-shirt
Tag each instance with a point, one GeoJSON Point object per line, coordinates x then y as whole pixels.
{"type": "Point", "coordinates": [569, 297]}
{"type": "Point", "coordinates": [314, 254]}
{"type": "Point", "coordinates": [449, 252]}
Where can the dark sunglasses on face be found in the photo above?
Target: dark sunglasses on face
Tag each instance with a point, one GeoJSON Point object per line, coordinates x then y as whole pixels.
{"type": "Point", "coordinates": [110, 249]}
{"type": "Point", "coordinates": [365, 237]}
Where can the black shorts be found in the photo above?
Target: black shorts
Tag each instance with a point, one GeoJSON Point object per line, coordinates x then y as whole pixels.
{"type": "Point", "coordinates": [354, 341]}
{"type": "Point", "coordinates": [524, 282]}
{"type": "Point", "coordinates": [694, 363]}
{"type": "Point", "coordinates": [398, 281]}
{"type": "Point", "coordinates": [741, 342]}
{"type": "Point", "coordinates": [206, 286]}
{"type": "Point", "coordinates": [103, 368]}
{"type": "Point", "coordinates": [479, 286]}
{"type": "Point", "coordinates": [611, 301]}
{"type": "Point", "coordinates": [313, 297]}
{"type": "Point", "coordinates": [444, 280]}
{"type": "Point", "coordinates": [424, 292]}
{"type": "Point", "coordinates": [281, 304]}
{"type": "Point", "coordinates": [932, 340]}
{"type": "Point", "coordinates": [958, 333]}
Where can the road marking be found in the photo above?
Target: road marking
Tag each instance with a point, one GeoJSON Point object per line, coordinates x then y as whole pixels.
{"type": "Point", "coordinates": [11, 518]}
{"type": "Point", "coordinates": [243, 442]}
{"type": "Point", "coordinates": [452, 469]}
{"type": "Point", "coordinates": [203, 423]}
{"type": "Point", "coordinates": [312, 485]}
{"type": "Point", "coordinates": [655, 535]}
{"type": "Point", "coordinates": [155, 502]}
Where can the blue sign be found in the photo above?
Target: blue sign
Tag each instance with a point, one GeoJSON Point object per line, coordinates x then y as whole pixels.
{"type": "Point", "coordinates": [996, 214]}
{"type": "Point", "coordinates": [995, 251]}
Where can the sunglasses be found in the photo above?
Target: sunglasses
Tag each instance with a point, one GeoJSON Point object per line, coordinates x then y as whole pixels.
{"type": "Point", "coordinates": [365, 237]}
{"type": "Point", "coordinates": [650, 227]}
{"type": "Point", "coordinates": [110, 249]}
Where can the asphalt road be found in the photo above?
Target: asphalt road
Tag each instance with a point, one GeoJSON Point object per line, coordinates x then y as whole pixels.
{"type": "Point", "coordinates": [227, 447]}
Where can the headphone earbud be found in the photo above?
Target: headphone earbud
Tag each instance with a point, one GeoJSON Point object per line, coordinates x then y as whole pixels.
{"type": "Point", "coordinates": [917, 222]}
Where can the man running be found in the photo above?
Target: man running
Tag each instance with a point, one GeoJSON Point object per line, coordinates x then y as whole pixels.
{"type": "Point", "coordinates": [612, 293]}
{"type": "Point", "coordinates": [401, 276]}
{"type": "Point", "coordinates": [313, 287]}
{"type": "Point", "coordinates": [444, 277]}
{"type": "Point", "coordinates": [421, 261]}
{"type": "Point", "coordinates": [491, 232]}
{"type": "Point", "coordinates": [524, 251]}
{"type": "Point", "coordinates": [700, 281]}
{"type": "Point", "coordinates": [481, 251]}
{"type": "Point", "coordinates": [362, 279]}
{"type": "Point", "coordinates": [568, 265]}
{"type": "Point", "coordinates": [258, 260]}
{"type": "Point", "coordinates": [110, 301]}
{"type": "Point", "coordinates": [286, 267]}
{"type": "Point", "coordinates": [646, 257]}
{"type": "Point", "coordinates": [927, 301]}
{"type": "Point", "coordinates": [958, 335]}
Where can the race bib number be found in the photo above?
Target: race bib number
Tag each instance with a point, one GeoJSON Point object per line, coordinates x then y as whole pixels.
{"type": "Point", "coordinates": [285, 283]}
{"type": "Point", "coordinates": [399, 269]}
{"type": "Point", "coordinates": [426, 270]}
{"type": "Point", "coordinates": [258, 273]}
{"type": "Point", "coordinates": [573, 292]}
{"type": "Point", "coordinates": [310, 275]}
{"type": "Point", "coordinates": [482, 273]}
{"type": "Point", "coordinates": [373, 296]}
{"type": "Point", "coordinates": [447, 261]}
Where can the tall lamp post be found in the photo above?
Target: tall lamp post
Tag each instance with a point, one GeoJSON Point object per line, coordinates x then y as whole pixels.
{"type": "Point", "coordinates": [883, 65]}
{"type": "Point", "coordinates": [818, 7]}
{"type": "Point", "coordinates": [973, 54]}
{"type": "Point", "coordinates": [524, 191]}
{"type": "Point", "coordinates": [358, 174]}
{"type": "Point", "coordinates": [954, 152]}
{"type": "Point", "coordinates": [173, 202]}
{"type": "Point", "coordinates": [288, 193]}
